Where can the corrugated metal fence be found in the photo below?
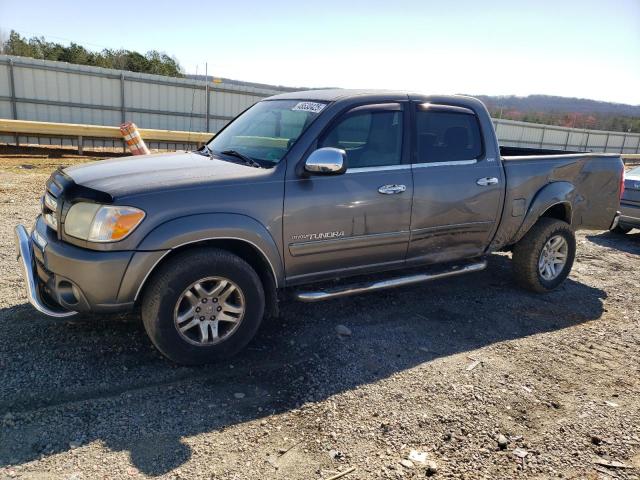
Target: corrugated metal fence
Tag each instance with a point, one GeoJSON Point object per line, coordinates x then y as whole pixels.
{"type": "Point", "coordinates": [534, 135]}
{"type": "Point", "coordinates": [49, 91]}
{"type": "Point", "coordinates": [60, 92]}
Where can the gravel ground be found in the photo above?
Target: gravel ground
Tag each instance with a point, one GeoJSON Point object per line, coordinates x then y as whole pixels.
{"type": "Point", "coordinates": [486, 380]}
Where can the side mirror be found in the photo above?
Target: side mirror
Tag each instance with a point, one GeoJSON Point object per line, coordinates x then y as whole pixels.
{"type": "Point", "coordinates": [326, 161]}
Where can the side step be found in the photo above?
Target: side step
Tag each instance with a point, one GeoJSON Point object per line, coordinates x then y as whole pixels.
{"type": "Point", "coordinates": [355, 289]}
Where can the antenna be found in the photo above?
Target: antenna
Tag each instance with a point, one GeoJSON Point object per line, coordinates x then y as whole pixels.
{"type": "Point", "coordinates": [193, 98]}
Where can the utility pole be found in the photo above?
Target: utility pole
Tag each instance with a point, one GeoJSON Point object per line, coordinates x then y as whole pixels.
{"type": "Point", "coordinates": [206, 95]}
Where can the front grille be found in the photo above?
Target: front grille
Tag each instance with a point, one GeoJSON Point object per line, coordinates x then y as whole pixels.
{"type": "Point", "coordinates": [49, 207]}
{"type": "Point", "coordinates": [50, 200]}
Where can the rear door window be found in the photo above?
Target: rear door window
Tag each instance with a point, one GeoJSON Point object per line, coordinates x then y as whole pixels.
{"type": "Point", "coordinates": [447, 136]}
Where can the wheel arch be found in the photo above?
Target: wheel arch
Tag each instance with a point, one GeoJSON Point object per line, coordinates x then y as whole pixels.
{"type": "Point", "coordinates": [238, 234]}
{"type": "Point", "coordinates": [554, 200]}
{"type": "Point", "coordinates": [244, 249]}
{"type": "Point", "coordinates": [559, 211]}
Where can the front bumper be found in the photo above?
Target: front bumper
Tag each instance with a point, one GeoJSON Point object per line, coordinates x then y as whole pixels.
{"type": "Point", "coordinates": [630, 215]}
{"type": "Point", "coordinates": [62, 279]}
{"type": "Point", "coordinates": [24, 253]}
{"type": "Point", "coordinates": [615, 221]}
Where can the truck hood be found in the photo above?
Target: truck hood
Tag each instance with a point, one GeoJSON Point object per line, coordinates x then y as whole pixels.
{"type": "Point", "coordinates": [139, 174]}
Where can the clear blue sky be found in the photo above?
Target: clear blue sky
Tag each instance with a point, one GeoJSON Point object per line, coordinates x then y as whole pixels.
{"type": "Point", "coordinates": [582, 48]}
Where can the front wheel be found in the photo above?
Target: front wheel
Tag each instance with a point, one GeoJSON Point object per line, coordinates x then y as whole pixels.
{"type": "Point", "coordinates": [202, 305]}
{"type": "Point", "coordinates": [543, 258]}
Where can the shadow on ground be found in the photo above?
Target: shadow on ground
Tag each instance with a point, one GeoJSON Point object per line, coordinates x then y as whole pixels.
{"type": "Point", "coordinates": [99, 379]}
{"type": "Point", "coordinates": [629, 242]}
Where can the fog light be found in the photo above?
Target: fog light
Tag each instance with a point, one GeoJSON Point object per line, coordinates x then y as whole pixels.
{"type": "Point", "coordinates": [68, 292]}
{"type": "Point", "coordinates": [76, 292]}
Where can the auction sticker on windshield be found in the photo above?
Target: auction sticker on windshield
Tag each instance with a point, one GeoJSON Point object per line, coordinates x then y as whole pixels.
{"type": "Point", "coordinates": [312, 107]}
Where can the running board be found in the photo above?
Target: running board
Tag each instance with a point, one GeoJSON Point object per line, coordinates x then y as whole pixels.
{"type": "Point", "coordinates": [355, 289]}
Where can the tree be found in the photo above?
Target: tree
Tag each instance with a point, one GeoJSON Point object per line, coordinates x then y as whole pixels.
{"type": "Point", "coordinates": [153, 61]}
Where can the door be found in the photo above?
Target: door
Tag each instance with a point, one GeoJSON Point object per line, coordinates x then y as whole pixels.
{"type": "Point", "coordinates": [457, 186]}
{"type": "Point", "coordinates": [357, 221]}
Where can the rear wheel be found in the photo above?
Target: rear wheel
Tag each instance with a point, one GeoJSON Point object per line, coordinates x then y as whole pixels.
{"type": "Point", "coordinates": [543, 258]}
{"type": "Point", "coordinates": [621, 230]}
{"type": "Point", "coordinates": [203, 305]}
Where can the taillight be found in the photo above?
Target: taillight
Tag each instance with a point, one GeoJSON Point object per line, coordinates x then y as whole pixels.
{"type": "Point", "coordinates": [622, 183]}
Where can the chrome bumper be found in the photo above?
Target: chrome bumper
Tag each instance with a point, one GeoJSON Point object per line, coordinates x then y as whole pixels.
{"type": "Point", "coordinates": [24, 253]}
{"type": "Point", "coordinates": [616, 221]}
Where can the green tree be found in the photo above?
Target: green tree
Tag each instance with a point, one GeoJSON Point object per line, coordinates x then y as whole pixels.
{"type": "Point", "coordinates": [155, 62]}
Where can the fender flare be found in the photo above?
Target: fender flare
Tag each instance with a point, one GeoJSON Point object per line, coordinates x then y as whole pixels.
{"type": "Point", "coordinates": [183, 231]}
{"type": "Point", "coordinates": [555, 193]}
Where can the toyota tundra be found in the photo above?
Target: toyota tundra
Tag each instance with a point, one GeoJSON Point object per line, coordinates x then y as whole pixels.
{"type": "Point", "coordinates": [316, 195]}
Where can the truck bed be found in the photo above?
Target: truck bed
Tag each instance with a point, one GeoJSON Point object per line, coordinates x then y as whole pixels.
{"type": "Point", "coordinates": [584, 185]}
{"type": "Point", "coordinates": [507, 151]}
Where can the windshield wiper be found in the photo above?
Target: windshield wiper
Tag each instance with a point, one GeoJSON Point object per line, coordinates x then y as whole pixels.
{"type": "Point", "coordinates": [248, 160]}
{"type": "Point", "coordinates": [204, 150]}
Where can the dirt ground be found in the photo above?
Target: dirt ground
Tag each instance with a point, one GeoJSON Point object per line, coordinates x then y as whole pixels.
{"type": "Point", "coordinates": [487, 380]}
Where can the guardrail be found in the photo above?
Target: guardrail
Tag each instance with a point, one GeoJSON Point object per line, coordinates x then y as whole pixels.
{"type": "Point", "coordinates": [82, 132]}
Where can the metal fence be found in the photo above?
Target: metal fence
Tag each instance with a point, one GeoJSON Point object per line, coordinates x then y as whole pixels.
{"type": "Point", "coordinates": [533, 135]}
{"type": "Point", "coordinates": [49, 91]}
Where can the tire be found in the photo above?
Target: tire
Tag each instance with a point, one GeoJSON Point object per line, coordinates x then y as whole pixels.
{"type": "Point", "coordinates": [621, 230]}
{"type": "Point", "coordinates": [527, 254]}
{"type": "Point", "coordinates": [171, 291]}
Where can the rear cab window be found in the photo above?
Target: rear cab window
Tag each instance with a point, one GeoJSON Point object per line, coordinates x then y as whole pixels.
{"type": "Point", "coordinates": [446, 134]}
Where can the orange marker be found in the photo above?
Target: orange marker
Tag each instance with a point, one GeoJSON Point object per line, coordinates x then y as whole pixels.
{"type": "Point", "coordinates": [133, 139]}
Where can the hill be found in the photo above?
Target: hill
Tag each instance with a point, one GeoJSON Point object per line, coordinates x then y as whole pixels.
{"type": "Point", "coordinates": [565, 111]}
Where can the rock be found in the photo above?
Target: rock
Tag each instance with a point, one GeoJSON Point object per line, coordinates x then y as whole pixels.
{"type": "Point", "coordinates": [343, 331]}
{"type": "Point", "coordinates": [336, 454]}
{"type": "Point", "coordinates": [239, 395]}
{"type": "Point", "coordinates": [432, 468]}
{"type": "Point", "coordinates": [406, 463]}
{"type": "Point", "coordinates": [417, 457]}
{"type": "Point", "coordinates": [520, 452]}
{"type": "Point", "coordinates": [596, 440]}
{"type": "Point", "coordinates": [502, 442]}
{"type": "Point", "coordinates": [273, 461]}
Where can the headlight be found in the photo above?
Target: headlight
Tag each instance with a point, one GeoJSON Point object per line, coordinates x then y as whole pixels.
{"type": "Point", "coordinates": [101, 223]}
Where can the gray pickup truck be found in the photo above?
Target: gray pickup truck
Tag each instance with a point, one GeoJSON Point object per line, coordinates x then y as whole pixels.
{"type": "Point", "coordinates": [320, 194]}
{"type": "Point", "coordinates": [630, 203]}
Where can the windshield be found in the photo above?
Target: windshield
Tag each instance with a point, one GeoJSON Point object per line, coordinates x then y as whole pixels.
{"type": "Point", "coordinates": [267, 130]}
{"type": "Point", "coordinates": [635, 172]}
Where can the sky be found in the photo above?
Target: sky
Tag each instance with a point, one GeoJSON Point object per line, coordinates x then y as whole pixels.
{"type": "Point", "coordinates": [574, 48]}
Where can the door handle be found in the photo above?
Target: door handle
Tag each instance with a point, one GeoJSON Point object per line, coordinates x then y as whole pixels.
{"type": "Point", "coordinates": [392, 189]}
{"type": "Point", "coordinates": [483, 182]}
